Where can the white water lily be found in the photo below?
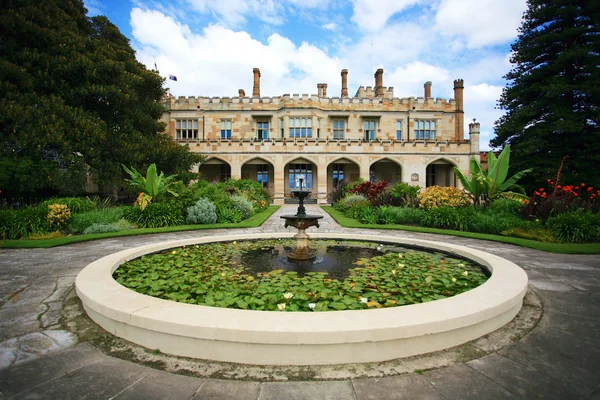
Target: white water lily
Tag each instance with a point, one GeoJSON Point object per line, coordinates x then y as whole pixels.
{"type": "Point", "coordinates": [281, 306]}
{"type": "Point", "coordinates": [288, 295]}
{"type": "Point", "coordinates": [393, 272]}
{"type": "Point", "coordinates": [400, 265]}
{"type": "Point", "coordinates": [461, 265]}
{"type": "Point", "coordinates": [453, 279]}
{"type": "Point", "coordinates": [312, 305]}
{"type": "Point", "coordinates": [465, 273]}
{"type": "Point", "coordinates": [173, 252]}
{"type": "Point", "coordinates": [234, 242]}
{"type": "Point", "coordinates": [364, 300]}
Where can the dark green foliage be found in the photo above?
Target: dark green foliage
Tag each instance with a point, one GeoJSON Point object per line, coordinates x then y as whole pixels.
{"type": "Point", "coordinates": [448, 218]}
{"type": "Point", "coordinates": [368, 215]}
{"type": "Point", "coordinates": [18, 224]}
{"type": "Point", "coordinates": [503, 206]}
{"type": "Point", "coordinates": [79, 222]}
{"type": "Point", "coordinates": [155, 215]}
{"type": "Point", "coordinates": [117, 226]}
{"type": "Point", "coordinates": [74, 98]}
{"type": "Point", "coordinates": [226, 214]}
{"type": "Point", "coordinates": [575, 227]}
{"type": "Point", "coordinates": [406, 194]}
{"type": "Point", "coordinates": [494, 223]}
{"type": "Point", "coordinates": [400, 215]}
{"type": "Point", "coordinates": [75, 204]}
{"type": "Point", "coordinates": [552, 100]}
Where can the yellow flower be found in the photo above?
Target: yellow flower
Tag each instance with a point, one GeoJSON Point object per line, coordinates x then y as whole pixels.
{"type": "Point", "coordinates": [173, 252]}
{"type": "Point", "coordinates": [453, 279]}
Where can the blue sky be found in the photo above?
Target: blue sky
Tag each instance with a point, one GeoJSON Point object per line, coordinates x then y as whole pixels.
{"type": "Point", "coordinates": [212, 45]}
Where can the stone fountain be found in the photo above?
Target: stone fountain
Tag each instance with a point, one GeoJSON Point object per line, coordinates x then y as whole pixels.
{"type": "Point", "coordinates": [301, 221]}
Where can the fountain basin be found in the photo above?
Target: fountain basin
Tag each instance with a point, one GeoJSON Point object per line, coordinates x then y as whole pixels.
{"type": "Point", "coordinates": [301, 338]}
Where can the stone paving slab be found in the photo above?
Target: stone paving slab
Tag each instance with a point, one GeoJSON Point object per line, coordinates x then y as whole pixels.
{"type": "Point", "coordinates": [462, 382]}
{"type": "Point", "coordinates": [334, 390]}
{"type": "Point", "coordinates": [228, 390]}
{"type": "Point", "coordinates": [409, 387]}
{"type": "Point", "coordinates": [161, 386]}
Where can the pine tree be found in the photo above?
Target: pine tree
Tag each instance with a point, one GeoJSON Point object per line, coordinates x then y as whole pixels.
{"type": "Point", "coordinates": [553, 95]}
{"type": "Point", "coordinates": [74, 99]}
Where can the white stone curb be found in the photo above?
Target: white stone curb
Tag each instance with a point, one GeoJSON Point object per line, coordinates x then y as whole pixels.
{"type": "Point", "coordinates": [301, 338]}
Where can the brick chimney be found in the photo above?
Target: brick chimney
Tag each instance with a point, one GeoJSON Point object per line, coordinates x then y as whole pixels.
{"type": "Point", "coordinates": [256, 88]}
{"type": "Point", "coordinates": [320, 89]}
{"type": "Point", "coordinates": [427, 87]}
{"type": "Point", "coordinates": [459, 129]}
{"type": "Point", "coordinates": [242, 93]}
{"type": "Point", "coordinates": [324, 89]}
{"type": "Point", "coordinates": [344, 83]}
{"type": "Point", "coordinates": [379, 83]}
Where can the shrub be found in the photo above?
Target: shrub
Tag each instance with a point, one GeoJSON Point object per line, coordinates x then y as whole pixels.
{"type": "Point", "coordinates": [226, 214]}
{"type": "Point", "coordinates": [203, 212]}
{"type": "Point", "coordinates": [17, 224]}
{"type": "Point", "coordinates": [504, 206]}
{"type": "Point", "coordinates": [563, 199]}
{"type": "Point", "coordinates": [407, 195]}
{"type": "Point", "coordinates": [80, 222]}
{"type": "Point", "coordinates": [155, 215]}
{"type": "Point", "coordinates": [368, 215]}
{"type": "Point", "coordinates": [75, 204]}
{"type": "Point", "coordinates": [372, 191]}
{"type": "Point", "coordinates": [121, 225]}
{"type": "Point", "coordinates": [448, 218]}
{"type": "Point", "coordinates": [102, 202]}
{"type": "Point", "coordinates": [58, 215]}
{"type": "Point", "coordinates": [494, 223]}
{"type": "Point", "coordinates": [242, 205]}
{"type": "Point", "coordinates": [574, 227]}
{"type": "Point", "coordinates": [353, 205]}
{"type": "Point", "coordinates": [438, 196]}
{"type": "Point", "coordinates": [401, 215]}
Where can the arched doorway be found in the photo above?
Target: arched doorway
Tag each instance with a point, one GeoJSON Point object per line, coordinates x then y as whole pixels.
{"type": "Point", "coordinates": [261, 171]}
{"type": "Point", "coordinates": [296, 169]}
{"type": "Point", "coordinates": [341, 172]}
{"type": "Point", "coordinates": [386, 170]}
{"type": "Point", "coordinates": [440, 173]}
{"type": "Point", "coordinates": [215, 170]}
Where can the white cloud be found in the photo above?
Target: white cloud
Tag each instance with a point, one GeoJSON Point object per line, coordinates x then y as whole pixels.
{"type": "Point", "coordinates": [408, 81]}
{"type": "Point", "coordinates": [479, 101]}
{"type": "Point", "coordinates": [332, 26]}
{"type": "Point", "coordinates": [372, 15]}
{"type": "Point", "coordinates": [219, 61]}
{"type": "Point", "coordinates": [481, 22]}
{"type": "Point", "coordinates": [234, 12]}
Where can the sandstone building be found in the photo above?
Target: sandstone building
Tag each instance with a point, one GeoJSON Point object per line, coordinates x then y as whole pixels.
{"type": "Point", "coordinates": [372, 135]}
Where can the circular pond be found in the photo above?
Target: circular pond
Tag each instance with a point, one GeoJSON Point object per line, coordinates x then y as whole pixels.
{"type": "Point", "coordinates": [257, 275]}
{"type": "Point", "coordinates": [300, 338]}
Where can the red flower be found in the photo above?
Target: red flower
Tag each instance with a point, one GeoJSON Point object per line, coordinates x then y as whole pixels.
{"type": "Point", "coordinates": [582, 185]}
{"type": "Point", "coordinates": [590, 188]}
{"type": "Point", "coordinates": [527, 201]}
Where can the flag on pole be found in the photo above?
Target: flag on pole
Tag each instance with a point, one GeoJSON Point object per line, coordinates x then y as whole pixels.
{"type": "Point", "coordinates": [173, 78]}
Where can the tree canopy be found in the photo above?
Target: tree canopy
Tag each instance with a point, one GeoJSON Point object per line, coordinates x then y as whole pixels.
{"type": "Point", "coordinates": [553, 95]}
{"type": "Point", "coordinates": [74, 99]}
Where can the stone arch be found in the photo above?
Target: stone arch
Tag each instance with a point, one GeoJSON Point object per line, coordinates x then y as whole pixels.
{"type": "Point", "coordinates": [341, 171]}
{"type": "Point", "coordinates": [440, 172]}
{"type": "Point", "coordinates": [386, 169]}
{"type": "Point", "coordinates": [259, 169]}
{"type": "Point", "coordinates": [300, 165]}
{"type": "Point", "coordinates": [215, 169]}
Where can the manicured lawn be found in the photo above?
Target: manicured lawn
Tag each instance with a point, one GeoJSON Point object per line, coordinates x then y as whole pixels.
{"type": "Point", "coordinates": [252, 222]}
{"type": "Point", "coordinates": [561, 248]}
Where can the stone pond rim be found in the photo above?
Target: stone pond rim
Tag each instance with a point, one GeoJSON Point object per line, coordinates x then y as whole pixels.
{"type": "Point", "coordinates": [301, 338]}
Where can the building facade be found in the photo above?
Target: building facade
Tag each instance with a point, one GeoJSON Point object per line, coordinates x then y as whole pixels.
{"type": "Point", "coordinates": [328, 140]}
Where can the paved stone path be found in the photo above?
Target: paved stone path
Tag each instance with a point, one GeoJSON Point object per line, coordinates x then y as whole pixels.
{"type": "Point", "coordinates": [559, 359]}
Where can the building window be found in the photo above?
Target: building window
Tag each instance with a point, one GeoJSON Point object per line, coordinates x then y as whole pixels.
{"type": "Point", "coordinates": [262, 131]}
{"type": "Point", "coordinates": [338, 175]}
{"type": "Point", "coordinates": [281, 127]}
{"type": "Point", "coordinates": [370, 126]}
{"type": "Point", "coordinates": [225, 172]}
{"type": "Point", "coordinates": [430, 175]}
{"type": "Point", "coordinates": [425, 130]}
{"type": "Point", "coordinates": [300, 127]}
{"type": "Point", "coordinates": [296, 170]}
{"type": "Point", "coordinates": [226, 129]}
{"type": "Point", "coordinates": [398, 130]}
{"type": "Point", "coordinates": [186, 129]}
{"type": "Point", "coordinates": [339, 127]}
{"type": "Point", "coordinates": [262, 175]}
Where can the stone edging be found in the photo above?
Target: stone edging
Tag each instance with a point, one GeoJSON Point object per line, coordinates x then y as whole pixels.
{"type": "Point", "coordinates": [301, 338]}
